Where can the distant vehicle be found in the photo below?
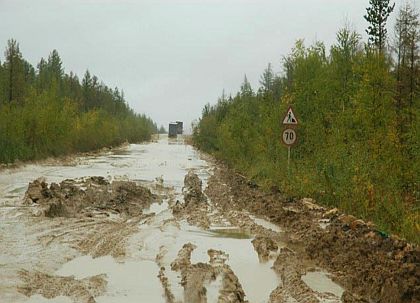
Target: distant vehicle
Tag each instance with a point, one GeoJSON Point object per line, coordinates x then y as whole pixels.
{"type": "Point", "coordinates": [173, 130]}
{"type": "Point", "coordinates": [180, 127]}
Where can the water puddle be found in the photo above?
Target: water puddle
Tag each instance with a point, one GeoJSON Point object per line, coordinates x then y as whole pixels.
{"type": "Point", "coordinates": [130, 281]}
{"type": "Point", "coordinates": [41, 299]}
{"type": "Point", "coordinates": [257, 279]}
{"type": "Point", "coordinates": [266, 224]}
{"type": "Point", "coordinates": [320, 282]}
{"type": "Point", "coordinates": [134, 279]}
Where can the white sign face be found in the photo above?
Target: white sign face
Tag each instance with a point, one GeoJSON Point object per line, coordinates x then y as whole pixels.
{"type": "Point", "coordinates": [290, 118]}
{"type": "Point", "coordinates": [289, 136]}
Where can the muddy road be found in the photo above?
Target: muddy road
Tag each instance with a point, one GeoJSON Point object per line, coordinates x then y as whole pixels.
{"type": "Point", "coordinates": [160, 222]}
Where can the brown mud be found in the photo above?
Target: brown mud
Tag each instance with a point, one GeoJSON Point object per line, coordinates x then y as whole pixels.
{"type": "Point", "coordinates": [195, 277]}
{"type": "Point", "coordinates": [371, 267]}
{"type": "Point", "coordinates": [50, 286]}
{"type": "Point", "coordinates": [95, 217]}
{"type": "Point", "coordinates": [205, 244]}
{"type": "Point", "coordinates": [194, 209]}
{"type": "Point", "coordinates": [86, 197]}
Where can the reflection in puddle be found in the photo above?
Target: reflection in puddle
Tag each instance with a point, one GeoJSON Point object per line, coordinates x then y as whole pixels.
{"type": "Point", "coordinates": [230, 233]}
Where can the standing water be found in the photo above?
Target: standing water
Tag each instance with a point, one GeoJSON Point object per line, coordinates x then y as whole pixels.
{"type": "Point", "coordinates": [26, 243]}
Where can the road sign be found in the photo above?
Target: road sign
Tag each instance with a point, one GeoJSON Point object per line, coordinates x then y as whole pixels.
{"type": "Point", "coordinates": [289, 136]}
{"type": "Point", "coordinates": [290, 118]}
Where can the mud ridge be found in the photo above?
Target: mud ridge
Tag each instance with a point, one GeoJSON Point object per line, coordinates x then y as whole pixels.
{"type": "Point", "coordinates": [74, 198]}
{"type": "Point", "coordinates": [195, 277]}
{"type": "Point", "coordinates": [195, 206]}
{"type": "Point", "coordinates": [370, 265]}
{"type": "Point", "coordinates": [49, 286]}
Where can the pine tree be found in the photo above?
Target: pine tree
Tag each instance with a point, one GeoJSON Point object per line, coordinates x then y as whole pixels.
{"type": "Point", "coordinates": [55, 65]}
{"type": "Point", "coordinates": [407, 49]}
{"type": "Point", "coordinates": [377, 15]}
{"type": "Point", "coordinates": [267, 79]}
{"type": "Point", "coordinates": [246, 90]}
{"type": "Point", "coordinates": [15, 72]}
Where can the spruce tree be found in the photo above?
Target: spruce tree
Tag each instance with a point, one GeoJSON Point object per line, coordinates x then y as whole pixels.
{"type": "Point", "coordinates": [15, 72]}
{"type": "Point", "coordinates": [377, 15]}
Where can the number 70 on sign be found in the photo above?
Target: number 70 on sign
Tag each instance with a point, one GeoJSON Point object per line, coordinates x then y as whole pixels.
{"type": "Point", "coordinates": [289, 136]}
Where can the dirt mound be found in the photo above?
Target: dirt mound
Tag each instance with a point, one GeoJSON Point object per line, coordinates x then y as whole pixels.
{"type": "Point", "coordinates": [195, 277]}
{"type": "Point", "coordinates": [264, 246]}
{"type": "Point", "coordinates": [81, 291]}
{"type": "Point", "coordinates": [195, 207]}
{"type": "Point", "coordinates": [383, 269]}
{"type": "Point", "coordinates": [192, 191]}
{"type": "Point", "coordinates": [73, 198]}
{"type": "Point", "coordinates": [293, 288]}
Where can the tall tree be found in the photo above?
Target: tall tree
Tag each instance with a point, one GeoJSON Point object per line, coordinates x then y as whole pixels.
{"type": "Point", "coordinates": [267, 79]}
{"type": "Point", "coordinates": [55, 65]}
{"type": "Point", "coordinates": [377, 15]}
{"type": "Point", "coordinates": [15, 72]}
{"type": "Point", "coordinates": [246, 89]}
{"type": "Point", "coordinates": [407, 97]}
{"type": "Point", "coordinates": [3, 97]}
{"type": "Point", "coordinates": [343, 53]}
{"type": "Point", "coordinates": [407, 49]}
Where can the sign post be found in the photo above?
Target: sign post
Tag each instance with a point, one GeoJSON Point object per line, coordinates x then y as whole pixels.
{"type": "Point", "coordinates": [289, 136]}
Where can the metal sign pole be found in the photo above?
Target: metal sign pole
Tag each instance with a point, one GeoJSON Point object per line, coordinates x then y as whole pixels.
{"type": "Point", "coordinates": [288, 159]}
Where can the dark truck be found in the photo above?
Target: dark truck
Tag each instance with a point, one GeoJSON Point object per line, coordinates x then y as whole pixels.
{"type": "Point", "coordinates": [173, 130]}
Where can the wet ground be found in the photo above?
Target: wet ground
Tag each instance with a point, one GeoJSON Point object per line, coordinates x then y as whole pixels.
{"type": "Point", "coordinates": [190, 239]}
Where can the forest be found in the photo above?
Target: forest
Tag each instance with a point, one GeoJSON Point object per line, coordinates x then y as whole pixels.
{"type": "Point", "coordinates": [357, 104]}
{"type": "Point", "coordinates": [47, 112]}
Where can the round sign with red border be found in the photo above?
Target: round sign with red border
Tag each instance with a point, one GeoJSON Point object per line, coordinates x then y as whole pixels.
{"type": "Point", "coordinates": [289, 136]}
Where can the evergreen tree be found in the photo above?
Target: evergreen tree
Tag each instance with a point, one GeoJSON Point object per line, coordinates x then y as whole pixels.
{"type": "Point", "coordinates": [407, 49]}
{"type": "Point", "coordinates": [15, 72]}
{"type": "Point", "coordinates": [267, 79]}
{"type": "Point", "coordinates": [55, 65]}
{"type": "Point", "coordinates": [343, 54]}
{"type": "Point", "coordinates": [377, 15]}
{"type": "Point", "coordinates": [162, 130]}
{"type": "Point", "coordinates": [246, 89]}
{"type": "Point", "coordinates": [59, 114]}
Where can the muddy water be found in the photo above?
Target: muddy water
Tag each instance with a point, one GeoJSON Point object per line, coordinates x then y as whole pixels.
{"type": "Point", "coordinates": [169, 159]}
{"type": "Point", "coordinates": [132, 278]}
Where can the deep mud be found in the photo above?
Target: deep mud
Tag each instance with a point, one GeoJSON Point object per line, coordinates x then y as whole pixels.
{"type": "Point", "coordinates": [83, 291]}
{"type": "Point", "coordinates": [87, 197]}
{"type": "Point", "coordinates": [195, 277]}
{"type": "Point", "coordinates": [370, 266]}
{"type": "Point", "coordinates": [194, 208]}
{"type": "Point", "coordinates": [189, 231]}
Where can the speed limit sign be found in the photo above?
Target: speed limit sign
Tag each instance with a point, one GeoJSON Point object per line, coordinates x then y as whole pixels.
{"type": "Point", "coordinates": [289, 136]}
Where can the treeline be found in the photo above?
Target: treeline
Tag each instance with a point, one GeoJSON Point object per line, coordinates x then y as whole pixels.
{"type": "Point", "coordinates": [44, 111]}
{"type": "Point", "coordinates": [358, 133]}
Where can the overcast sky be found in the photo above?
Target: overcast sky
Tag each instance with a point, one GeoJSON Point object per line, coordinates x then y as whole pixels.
{"type": "Point", "coordinates": [172, 56]}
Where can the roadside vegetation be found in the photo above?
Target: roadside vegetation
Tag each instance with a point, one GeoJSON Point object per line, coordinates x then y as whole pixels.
{"type": "Point", "coordinates": [358, 134]}
{"type": "Point", "coordinates": [46, 112]}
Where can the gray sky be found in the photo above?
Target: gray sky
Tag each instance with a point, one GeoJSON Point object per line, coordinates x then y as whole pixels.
{"type": "Point", "coordinates": [172, 56]}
